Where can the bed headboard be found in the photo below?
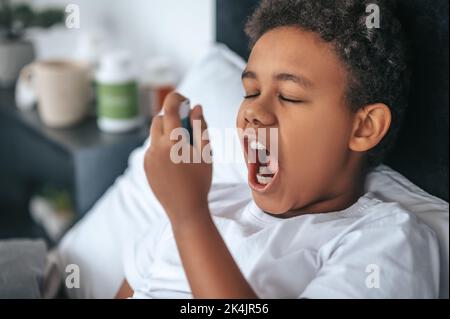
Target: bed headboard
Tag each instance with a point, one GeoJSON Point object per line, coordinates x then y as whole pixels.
{"type": "Point", "coordinates": [421, 153]}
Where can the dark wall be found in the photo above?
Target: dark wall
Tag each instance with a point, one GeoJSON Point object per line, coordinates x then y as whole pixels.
{"type": "Point", "coordinates": [231, 16]}
{"type": "Point", "coordinates": [421, 152]}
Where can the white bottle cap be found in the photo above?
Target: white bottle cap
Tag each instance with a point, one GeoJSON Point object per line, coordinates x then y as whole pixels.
{"type": "Point", "coordinates": [116, 67]}
{"type": "Point", "coordinates": [159, 71]}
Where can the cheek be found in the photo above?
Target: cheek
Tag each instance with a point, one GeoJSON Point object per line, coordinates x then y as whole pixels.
{"type": "Point", "coordinates": [330, 138]}
{"type": "Point", "coordinates": [320, 132]}
{"type": "Point", "coordinates": [315, 144]}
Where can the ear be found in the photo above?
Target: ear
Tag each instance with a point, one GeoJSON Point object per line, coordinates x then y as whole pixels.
{"type": "Point", "coordinates": [371, 123]}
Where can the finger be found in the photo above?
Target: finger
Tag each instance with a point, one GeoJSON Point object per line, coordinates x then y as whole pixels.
{"type": "Point", "coordinates": [171, 118]}
{"type": "Point", "coordinates": [156, 129]}
{"type": "Point", "coordinates": [200, 140]}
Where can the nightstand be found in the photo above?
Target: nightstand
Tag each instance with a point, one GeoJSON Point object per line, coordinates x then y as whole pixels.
{"type": "Point", "coordinates": [81, 159]}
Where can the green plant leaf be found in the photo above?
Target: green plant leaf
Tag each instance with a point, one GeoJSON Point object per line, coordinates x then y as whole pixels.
{"type": "Point", "coordinates": [48, 18]}
{"type": "Point", "coordinates": [23, 14]}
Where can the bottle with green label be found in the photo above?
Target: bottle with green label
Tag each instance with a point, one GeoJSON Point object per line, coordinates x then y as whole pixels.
{"type": "Point", "coordinates": [117, 94]}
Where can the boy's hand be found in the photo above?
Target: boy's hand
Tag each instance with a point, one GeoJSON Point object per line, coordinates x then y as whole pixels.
{"type": "Point", "coordinates": [181, 188]}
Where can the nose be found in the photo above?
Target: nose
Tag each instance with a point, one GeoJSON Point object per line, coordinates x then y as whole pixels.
{"type": "Point", "coordinates": [258, 116]}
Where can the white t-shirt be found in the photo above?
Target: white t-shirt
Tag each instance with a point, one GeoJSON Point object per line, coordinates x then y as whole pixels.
{"type": "Point", "coordinates": [372, 249]}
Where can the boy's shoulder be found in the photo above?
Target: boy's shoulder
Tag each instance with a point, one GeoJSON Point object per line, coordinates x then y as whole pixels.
{"type": "Point", "coordinates": [375, 210]}
{"type": "Point", "coordinates": [368, 221]}
{"type": "Point", "coordinates": [373, 213]}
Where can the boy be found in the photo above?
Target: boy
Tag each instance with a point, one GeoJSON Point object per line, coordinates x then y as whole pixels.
{"type": "Point", "coordinates": [335, 91]}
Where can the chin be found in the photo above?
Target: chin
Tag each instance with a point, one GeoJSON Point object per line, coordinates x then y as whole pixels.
{"type": "Point", "coordinates": [270, 205]}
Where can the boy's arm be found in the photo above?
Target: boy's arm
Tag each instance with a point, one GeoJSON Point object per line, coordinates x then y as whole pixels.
{"type": "Point", "coordinates": [209, 266]}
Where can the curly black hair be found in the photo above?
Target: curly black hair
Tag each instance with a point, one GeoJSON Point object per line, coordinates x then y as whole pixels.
{"type": "Point", "coordinates": [376, 59]}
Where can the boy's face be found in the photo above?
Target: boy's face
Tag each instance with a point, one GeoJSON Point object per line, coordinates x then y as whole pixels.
{"type": "Point", "coordinates": [296, 84]}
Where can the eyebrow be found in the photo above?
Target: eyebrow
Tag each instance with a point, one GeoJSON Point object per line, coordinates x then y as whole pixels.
{"type": "Point", "coordinates": [298, 79]}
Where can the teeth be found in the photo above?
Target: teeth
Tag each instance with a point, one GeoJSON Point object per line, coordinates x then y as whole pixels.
{"type": "Point", "coordinates": [263, 180]}
{"type": "Point", "coordinates": [273, 166]}
{"type": "Point", "coordinates": [264, 170]}
{"type": "Point", "coordinates": [254, 145]}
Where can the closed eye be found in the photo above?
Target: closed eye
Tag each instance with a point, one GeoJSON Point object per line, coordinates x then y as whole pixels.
{"type": "Point", "coordinates": [251, 96]}
{"type": "Point", "coordinates": [283, 98]}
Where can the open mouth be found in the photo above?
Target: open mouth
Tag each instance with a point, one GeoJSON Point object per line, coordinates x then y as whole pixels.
{"type": "Point", "coordinates": [262, 166]}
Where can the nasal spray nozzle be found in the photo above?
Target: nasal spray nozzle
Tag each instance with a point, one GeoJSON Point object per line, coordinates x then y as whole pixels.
{"type": "Point", "coordinates": [184, 112]}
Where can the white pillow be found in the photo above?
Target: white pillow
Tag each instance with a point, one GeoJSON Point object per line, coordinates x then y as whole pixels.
{"type": "Point", "coordinates": [215, 83]}
{"type": "Point", "coordinates": [391, 186]}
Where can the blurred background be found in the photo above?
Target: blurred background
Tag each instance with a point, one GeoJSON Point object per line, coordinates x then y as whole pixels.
{"type": "Point", "coordinates": [145, 27]}
{"type": "Point", "coordinates": [109, 63]}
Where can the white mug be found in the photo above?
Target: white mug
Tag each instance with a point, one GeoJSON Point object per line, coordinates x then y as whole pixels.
{"type": "Point", "coordinates": [62, 88]}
